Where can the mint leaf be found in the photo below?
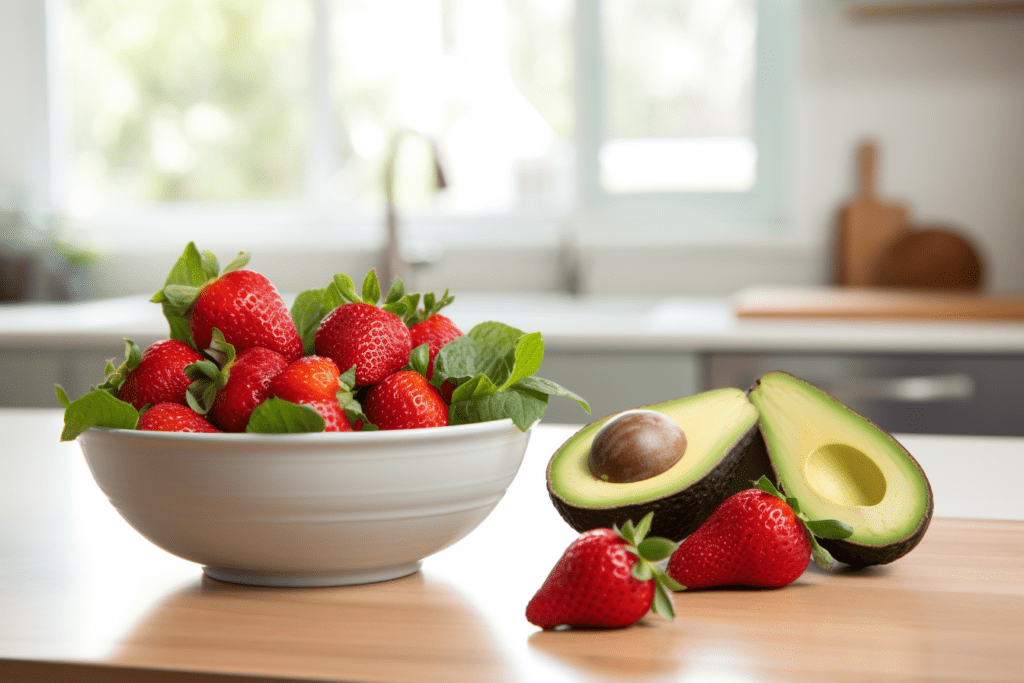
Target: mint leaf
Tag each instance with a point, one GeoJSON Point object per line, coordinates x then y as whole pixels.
{"type": "Point", "coordinates": [476, 388]}
{"type": "Point", "coordinates": [529, 353]}
{"type": "Point", "coordinates": [307, 312]}
{"type": "Point", "coordinates": [62, 396]}
{"type": "Point", "coordinates": [97, 409]}
{"type": "Point", "coordinates": [499, 335]}
{"type": "Point", "coordinates": [464, 358]}
{"type": "Point", "coordinates": [277, 416]}
{"type": "Point", "coordinates": [546, 386]}
{"type": "Point", "coordinates": [523, 406]}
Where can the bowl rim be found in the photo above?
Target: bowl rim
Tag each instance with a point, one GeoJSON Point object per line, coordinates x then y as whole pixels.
{"type": "Point", "coordinates": [375, 437]}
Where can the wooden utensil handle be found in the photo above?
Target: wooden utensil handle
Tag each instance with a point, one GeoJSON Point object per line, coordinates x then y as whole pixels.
{"type": "Point", "coordinates": [867, 165]}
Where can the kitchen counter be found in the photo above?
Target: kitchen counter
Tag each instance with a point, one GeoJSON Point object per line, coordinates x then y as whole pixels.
{"type": "Point", "coordinates": [85, 598]}
{"type": "Point", "coordinates": [607, 323]}
{"type": "Point", "coordinates": [970, 371]}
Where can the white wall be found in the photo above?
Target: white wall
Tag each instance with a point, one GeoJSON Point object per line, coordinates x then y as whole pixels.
{"type": "Point", "coordinates": [943, 96]}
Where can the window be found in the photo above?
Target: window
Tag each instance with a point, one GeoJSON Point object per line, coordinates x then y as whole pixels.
{"type": "Point", "coordinates": [272, 112]}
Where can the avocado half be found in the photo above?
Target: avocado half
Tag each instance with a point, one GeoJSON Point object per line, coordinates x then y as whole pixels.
{"type": "Point", "coordinates": [719, 426]}
{"type": "Point", "coordinates": [840, 465]}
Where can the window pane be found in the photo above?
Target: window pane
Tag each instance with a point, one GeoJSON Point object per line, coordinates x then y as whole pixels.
{"type": "Point", "coordinates": [679, 88]}
{"type": "Point", "coordinates": [488, 80]}
{"type": "Point", "coordinates": [187, 100]}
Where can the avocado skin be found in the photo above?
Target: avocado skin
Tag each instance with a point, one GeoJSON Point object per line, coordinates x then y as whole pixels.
{"type": "Point", "coordinates": [860, 555]}
{"type": "Point", "coordinates": [678, 514]}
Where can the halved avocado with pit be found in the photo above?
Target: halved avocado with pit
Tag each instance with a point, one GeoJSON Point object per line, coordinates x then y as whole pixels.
{"type": "Point", "coordinates": [719, 426]}
{"type": "Point", "coordinates": [840, 465]}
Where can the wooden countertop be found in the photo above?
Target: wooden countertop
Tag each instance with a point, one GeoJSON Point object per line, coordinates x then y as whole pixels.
{"type": "Point", "coordinates": [85, 598]}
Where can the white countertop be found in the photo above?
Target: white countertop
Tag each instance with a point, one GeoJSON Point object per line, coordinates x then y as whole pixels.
{"type": "Point", "coordinates": [678, 324]}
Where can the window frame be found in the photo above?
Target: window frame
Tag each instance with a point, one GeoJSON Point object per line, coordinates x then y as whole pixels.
{"type": "Point", "coordinates": [595, 216]}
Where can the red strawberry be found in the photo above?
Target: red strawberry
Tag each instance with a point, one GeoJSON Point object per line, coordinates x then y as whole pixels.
{"type": "Point", "coordinates": [427, 326]}
{"type": "Point", "coordinates": [606, 578]}
{"type": "Point", "coordinates": [174, 417]}
{"type": "Point", "coordinates": [243, 384]}
{"type": "Point", "coordinates": [307, 379]}
{"type": "Point", "coordinates": [157, 376]}
{"type": "Point", "coordinates": [373, 340]}
{"type": "Point", "coordinates": [242, 304]}
{"type": "Point", "coordinates": [247, 308]}
{"type": "Point", "coordinates": [754, 538]}
{"type": "Point", "coordinates": [405, 400]}
{"type": "Point", "coordinates": [333, 414]}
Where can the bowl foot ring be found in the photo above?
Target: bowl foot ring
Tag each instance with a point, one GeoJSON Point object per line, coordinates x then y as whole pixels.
{"type": "Point", "coordinates": [251, 577]}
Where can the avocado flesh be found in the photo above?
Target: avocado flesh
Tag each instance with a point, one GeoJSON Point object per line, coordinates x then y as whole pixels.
{"type": "Point", "coordinates": [719, 426]}
{"type": "Point", "coordinates": [840, 465]}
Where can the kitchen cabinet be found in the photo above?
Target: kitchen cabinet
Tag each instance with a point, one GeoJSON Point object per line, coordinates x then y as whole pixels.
{"type": "Point", "coordinates": [926, 393]}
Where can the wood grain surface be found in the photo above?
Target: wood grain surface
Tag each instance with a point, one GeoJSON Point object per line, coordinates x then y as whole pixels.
{"type": "Point", "coordinates": [874, 303]}
{"type": "Point", "coordinates": [85, 598]}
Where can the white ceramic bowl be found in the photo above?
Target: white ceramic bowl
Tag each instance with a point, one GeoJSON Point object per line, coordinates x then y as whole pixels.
{"type": "Point", "coordinates": [306, 509]}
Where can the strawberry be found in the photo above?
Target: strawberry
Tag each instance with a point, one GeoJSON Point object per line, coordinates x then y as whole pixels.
{"type": "Point", "coordinates": [405, 400]}
{"type": "Point", "coordinates": [174, 417]}
{"type": "Point", "coordinates": [358, 333]}
{"type": "Point", "coordinates": [229, 393]}
{"type": "Point", "coordinates": [306, 379]}
{"type": "Point", "coordinates": [156, 375]}
{"type": "Point", "coordinates": [333, 414]}
{"type": "Point", "coordinates": [606, 578]}
{"type": "Point", "coordinates": [244, 305]}
{"type": "Point", "coordinates": [427, 326]}
{"type": "Point", "coordinates": [754, 538]}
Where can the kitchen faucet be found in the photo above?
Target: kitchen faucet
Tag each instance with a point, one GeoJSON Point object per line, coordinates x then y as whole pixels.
{"type": "Point", "coordinates": [395, 261]}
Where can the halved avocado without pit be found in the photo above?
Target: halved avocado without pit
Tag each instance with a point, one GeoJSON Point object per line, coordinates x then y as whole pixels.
{"type": "Point", "coordinates": [840, 465]}
{"type": "Point", "coordinates": [719, 426]}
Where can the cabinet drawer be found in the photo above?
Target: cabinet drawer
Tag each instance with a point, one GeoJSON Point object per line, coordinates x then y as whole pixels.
{"type": "Point", "coordinates": [914, 393]}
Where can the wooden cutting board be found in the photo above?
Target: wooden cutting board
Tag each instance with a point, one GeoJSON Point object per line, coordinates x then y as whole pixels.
{"type": "Point", "coordinates": [867, 224]}
{"type": "Point", "coordinates": [867, 303]}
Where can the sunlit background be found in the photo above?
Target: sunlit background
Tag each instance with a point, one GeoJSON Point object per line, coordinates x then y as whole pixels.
{"type": "Point", "coordinates": [197, 101]}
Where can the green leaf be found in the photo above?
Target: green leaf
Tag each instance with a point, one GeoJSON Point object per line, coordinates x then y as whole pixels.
{"type": "Point", "coordinates": [62, 396]}
{"type": "Point", "coordinates": [178, 326]}
{"type": "Point", "coordinates": [97, 409]}
{"type": "Point", "coordinates": [766, 485]}
{"type": "Point", "coordinates": [662, 604]}
{"type": "Point", "coordinates": [529, 353]}
{"type": "Point", "coordinates": [307, 312]}
{"type": "Point", "coordinates": [464, 358]}
{"type": "Point", "coordinates": [829, 528]}
{"type": "Point", "coordinates": [656, 548]}
{"type": "Point", "coordinates": [277, 416]}
{"type": "Point", "coordinates": [396, 293]}
{"type": "Point", "coordinates": [642, 571]}
{"type": "Point", "coordinates": [644, 527]}
{"type": "Point", "coordinates": [188, 269]}
{"type": "Point", "coordinates": [822, 557]}
{"type": "Point", "coordinates": [237, 263]}
{"type": "Point", "coordinates": [354, 413]}
{"type": "Point", "coordinates": [419, 359]}
{"type": "Point", "coordinates": [669, 583]}
{"type": "Point", "coordinates": [499, 335]}
{"type": "Point", "coordinates": [522, 406]}
{"type": "Point", "coordinates": [476, 388]}
{"type": "Point", "coordinates": [346, 289]}
{"type": "Point", "coordinates": [371, 288]}
{"type": "Point", "coordinates": [546, 386]}
{"type": "Point", "coordinates": [211, 268]}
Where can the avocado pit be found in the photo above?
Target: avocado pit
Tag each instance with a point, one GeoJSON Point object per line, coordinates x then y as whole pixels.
{"type": "Point", "coordinates": [636, 445]}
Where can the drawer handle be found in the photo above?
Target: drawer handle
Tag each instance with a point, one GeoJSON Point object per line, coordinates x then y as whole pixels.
{"type": "Point", "coordinates": [920, 389]}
